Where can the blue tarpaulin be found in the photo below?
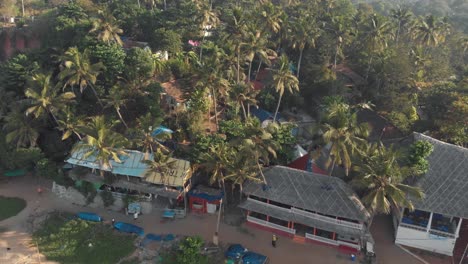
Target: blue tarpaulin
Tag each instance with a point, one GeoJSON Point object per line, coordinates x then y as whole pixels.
{"type": "Point", "coordinates": [161, 130]}
{"type": "Point", "coordinates": [205, 196]}
{"type": "Point", "coordinates": [253, 258]}
{"type": "Point", "coordinates": [263, 114]}
{"type": "Point", "coordinates": [235, 251]}
{"type": "Point", "coordinates": [89, 217]}
{"type": "Point", "coordinates": [129, 228]}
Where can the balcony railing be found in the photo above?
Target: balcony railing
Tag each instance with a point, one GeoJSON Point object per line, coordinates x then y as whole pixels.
{"type": "Point", "coordinates": [311, 215]}
{"type": "Point", "coordinates": [322, 239]}
{"type": "Point", "coordinates": [415, 227]}
{"type": "Point", "coordinates": [441, 233]}
{"type": "Point", "coordinates": [269, 224]}
{"type": "Point", "coordinates": [328, 219]}
{"type": "Point", "coordinates": [348, 244]}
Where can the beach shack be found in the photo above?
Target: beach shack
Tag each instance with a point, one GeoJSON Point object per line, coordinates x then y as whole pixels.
{"type": "Point", "coordinates": [203, 199]}
{"type": "Point", "coordinates": [172, 183]}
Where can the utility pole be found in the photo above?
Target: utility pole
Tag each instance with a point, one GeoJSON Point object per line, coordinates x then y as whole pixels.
{"type": "Point", "coordinates": [22, 6]}
{"type": "Point", "coordinates": [215, 237]}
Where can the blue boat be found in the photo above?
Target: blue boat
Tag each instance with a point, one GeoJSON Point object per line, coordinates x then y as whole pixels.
{"type": "Point", "coordinates": [129, 228]}
{"type": "Point", "coordinates": [89, 217]}
{"type": "Point", "coordinates": [235, 251]}
{"type": "Point", "coordinates": [253, 258]}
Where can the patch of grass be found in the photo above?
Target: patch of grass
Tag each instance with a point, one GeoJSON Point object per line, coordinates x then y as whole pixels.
{"type": "Point", "coordinates": [79, 241]}
{"type": "Point", "coordinates": [131, 261]}
{"type": "Point", "coordinates": [10, 206]}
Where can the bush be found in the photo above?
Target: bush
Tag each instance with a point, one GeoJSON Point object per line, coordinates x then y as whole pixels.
{"type": "Point", "coordinates": [419, 151]}
{"type": "Point", "coordinates": [107, 198]}
{"type": "Point", "coordinates": [88, 190]}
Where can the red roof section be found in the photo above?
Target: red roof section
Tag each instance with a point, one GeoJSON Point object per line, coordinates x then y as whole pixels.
{"type": "Point", "coordinates": [301, 164]}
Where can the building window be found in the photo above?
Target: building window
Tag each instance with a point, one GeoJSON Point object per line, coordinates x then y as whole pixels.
{"type": "Point", "coordinates": [278, 221]}
{"type": "Point", "coordinates": [253, 197]}
{"type": "Point", "coordinates": [417, 217]}
{"type": "Point", "coordinates": [258, 216]}
{"type": "Point", "coordinates": [324, 233]}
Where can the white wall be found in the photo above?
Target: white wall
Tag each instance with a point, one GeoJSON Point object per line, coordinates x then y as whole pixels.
{"type": "Point", "coordinates": [423, 240]}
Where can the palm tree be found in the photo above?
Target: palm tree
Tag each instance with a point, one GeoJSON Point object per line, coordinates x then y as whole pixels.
{"type": "Point", "coordinates": [341, 130]}
{"type": "Point", "coordinates": [256, 45]}
{"type": "Point", "coordinates": [70, 124]}
{"type": "Point", "coordinates": [78, 70]}
{"type": "Point", "coordinates": [216, 161]}
{"type": "Point", "coordinates": [304, 33]}
{"type": "Point", "coordinates": [430, 31]}
{"type": "Point", "coordinates": [380, 177]}
{"type": "Point", "coordinates": [159, 165]}
{"type": "Point", "coordinates": [403, 17]}
{"type": "Point", "coordinates": [242, 94]}
{"type": "Point", "coordinates": [106, 28]}
{"type": "Point", "coordinates": [20, 129]}
{"type": "Point", "coordinates": [117, 99]}
{"type": "Point", "coordinates": [44, 98]}
{"type": "Point", "coordinates": [101, 142]}
{"type": "Point", "coordinates": [146, 139]}
{"type": "Point", "coordinates": [283, 79]}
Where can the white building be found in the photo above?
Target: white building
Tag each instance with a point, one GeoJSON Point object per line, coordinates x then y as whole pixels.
{"type": "Point", "coordinates": [435, 224]}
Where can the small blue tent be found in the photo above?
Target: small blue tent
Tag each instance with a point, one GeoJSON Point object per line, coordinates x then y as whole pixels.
{"type": "Point", "coordinates": [235, 251]}
{"type": "Point", "coordinates": [129, 228]}
{"type": "Point", "coordinates": [89, 217]}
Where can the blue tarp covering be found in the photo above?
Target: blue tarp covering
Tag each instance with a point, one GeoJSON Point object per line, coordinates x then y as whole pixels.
{"type": "Point", "coordinates": [205, 196]}
{"type": "Point", "coordinates": [253, 258]}
{"type": "Point", "coordinates": [89, 217]}
{"type": "Point", "coordinates": [263, 114]}
{"type": "Point", "coordinates": [129, 228]}
{"type": "Point", "coordinates": [235, 251]}
{"type": "Point", "coordinates": [161, 130]}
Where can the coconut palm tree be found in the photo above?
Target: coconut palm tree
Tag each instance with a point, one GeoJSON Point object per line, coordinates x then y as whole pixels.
{"type": "Point", "coordinates": [380, 177]}
{"type": "Point", "coordinates": [256, 45]}
{"type": "Point", "coordinates": [20, 129]}
{"type": "Point", "coordinates": [242, 94]}
{"type": "Point", "coordinates": [69, 123]}
{"type": "Point", "coordinates": [77, 70]}
{"type": "Point", "coordinates": [161, 163]}
{"type": "Point", "coordinates": [430, 31]}
{"type": "Point", "coordinates": [106, 28]}
{"type": "Point", "coordinates": [101, 142]}
{"type": "Point", "coordinates": [116, 99]}
{"type": "Point", "coordinates": [304, 33]}
{"type": "Point", "coordinates": [216, 162]}
{"type": "Point", "coordinates": [145, 137]}
{"type": "Point", "coordinates": [403, 17]}
{"type": "Point", "coordinates": [43, 97]}
{"type": "Point", "coordinates": [283, 79]}
{"type": "Point", "coordinates": [345, 136]}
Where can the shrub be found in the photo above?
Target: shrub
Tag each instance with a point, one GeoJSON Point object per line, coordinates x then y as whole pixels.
{"type": "Point", "coordinates": [107, 198]}
{"type": "Point", "coordinates": [418, 153]}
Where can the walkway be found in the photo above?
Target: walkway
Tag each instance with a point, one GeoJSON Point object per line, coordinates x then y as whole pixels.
{"type": "Point", "coordinates": [287, 251]}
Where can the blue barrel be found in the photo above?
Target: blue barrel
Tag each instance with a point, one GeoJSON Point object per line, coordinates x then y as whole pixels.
{"type": "Point", "coordinates": [89, 217]}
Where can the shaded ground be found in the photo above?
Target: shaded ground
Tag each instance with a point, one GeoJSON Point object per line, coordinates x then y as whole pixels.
{"type": "Point", "coordinates": [18, 239]}
{"type": "Point", "coordinates": [10, 206]}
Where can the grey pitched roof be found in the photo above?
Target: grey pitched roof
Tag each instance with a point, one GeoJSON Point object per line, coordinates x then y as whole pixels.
{"type": "Point", "coordinates": [301, 189]}
{"type": "Point", "coordinates": [446, 182]}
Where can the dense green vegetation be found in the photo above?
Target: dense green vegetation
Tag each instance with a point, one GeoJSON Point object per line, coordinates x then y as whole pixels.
{"type": "Point", "coordinates": [10, 207]}
{"type": "Point", "coordinates": [77, 241]}
{"type": "Point", "coordinates": [327, 58]}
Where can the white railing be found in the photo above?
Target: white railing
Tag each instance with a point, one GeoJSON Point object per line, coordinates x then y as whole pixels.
{"type": "Point", "coordinates": [415, 227]}
{"type": "Point", "coordinates": [348, 244]}
{"type": "Point", "coordinates": [269, 224]}
{"type": "Point", "coordinates": [327, 219]}
{"type": "Point", "coordinates": [441, 233]}
{"type": "Point", "coordinates": [322, 239]}
{"type": "Point", "coordinates": [311, 215]}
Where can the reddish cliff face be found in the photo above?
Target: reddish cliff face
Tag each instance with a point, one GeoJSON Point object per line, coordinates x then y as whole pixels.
{"type": "Point", "coordinates": [16, 40]}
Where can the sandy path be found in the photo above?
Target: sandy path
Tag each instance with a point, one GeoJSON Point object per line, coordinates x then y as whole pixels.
{"type": "Point", "coordinates": [287, 251]}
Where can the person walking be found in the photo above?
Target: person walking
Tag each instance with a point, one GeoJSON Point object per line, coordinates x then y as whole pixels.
{"type": "Point", "coordinates": [273, 240]}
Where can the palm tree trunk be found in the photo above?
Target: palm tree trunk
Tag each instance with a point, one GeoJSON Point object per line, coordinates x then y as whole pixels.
{"type": "Point", "coordinates": [250, 71]}
{"type": "Point", "coordinates": [95, 94]}
{"type": "Point", "coordinates": [224, 190]}
{"type": "Point", "coordinates": [398, 32]}
{"type": "Point", "coordinates": [333, 167]}
{"type": "Point", "coordinates": [243, 110]}
{"type": "Point", "coordinates": [138, 3]}
{"type": "Point", "coordinates": [299, 63]}
{"type": "Point", "coordinates": [165, 5]}
{"type": "Point", "coordinates": [260, 170]}
{"type": "Point", "coordinates": [258, 69]}
{"type": "Point", "coordinates": [277, 108]}
{"type": "Point", "coordinates": [215, 108]}
{"type": "Point", "coordinates": [368, 67]}
{"type": "Point", "coordinates": [121, 118]}
{"type": "Point", "coordinates": [238, 64]}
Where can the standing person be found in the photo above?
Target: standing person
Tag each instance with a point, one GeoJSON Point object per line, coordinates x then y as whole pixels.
{"type": "Point", "coordinates": [273, 240]}
{"type": "Point", "coordinates": [113, 222]}
{"type": "Point", "coordinates": [135, 216]}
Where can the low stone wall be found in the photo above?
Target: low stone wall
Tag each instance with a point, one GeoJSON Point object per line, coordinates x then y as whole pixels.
{"type": "Point", "coordinates": [73, 195]}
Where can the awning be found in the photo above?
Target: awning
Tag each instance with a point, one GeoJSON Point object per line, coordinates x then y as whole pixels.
{"type": "Point", "coordinates": [175, 176]}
